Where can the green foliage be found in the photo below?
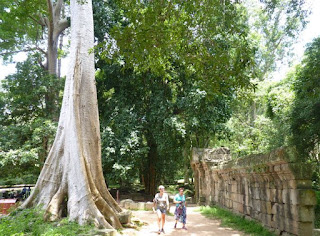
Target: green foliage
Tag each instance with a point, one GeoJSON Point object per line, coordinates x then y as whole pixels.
{"type": "Point", "coordinates": [165, 80]}
{"type": "Point", "coordinates": [145, 119]}
{"type": "Point", "coordinates": [27, 129]}
{"type": "Point", "coordinates": [133, 115]}
{"type": "Point", "coordinates": [209, 39]}
{"type": "Point", "coordinates": [305, 117]}
{"type": "Point", "coordinates": [237, 222]}
{"type": "Point", "coordinates": [260, 119]}
{"type": "Point", "coordinates": [31, 222]}
{"type": "Point", "coordinates": [24, 149]}
{"type": "Point", "coordinates": [28, 92]}
{"type": "Point", "coordinates": [105, 15]}
{"type": "Point", "coordinates": [275, 26]}
{"type": "Point", "coordinates": [279, 102]}
{"type": "Point", "coordinates": [19, 25]}
{"type": "Point", "coordinates": [317, 212]}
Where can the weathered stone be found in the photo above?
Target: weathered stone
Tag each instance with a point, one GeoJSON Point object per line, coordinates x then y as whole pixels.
{"type": "Point", "coordinates": [275, 209]}
{"type": "Point", "coordinates": [291, 226]}
{"type": "Point", "coordinates": [291, 211]}
{"type": "Point", "coordinates": [305, 213]}
{"type": "Point", "coordinates": [269, 208]}
{"type": "Point", "coordinates": [104, 232]}
{"type": "Point", "coordinates": [126, 203]}
{"type": "Point", "coordinates": [302, 170]}
{"type": "Point", "coordinates": [305, 228]}
{"type": "Point", "coordinates": [316, 232]}
{"type": "Point", "coordinates": [134, 206]}
{"type": "Point", "coordinates": [141, 206]}
{"type": "Point", "coordinates": [148, 205]}
{"type": "Point", "coordinates": [125, 217]}
{"type": "Point", "coordinates": [307, 197]}
{"type": "Point", "coordinates": [273, 195]}
{"type": "Point", "coordinates": [300, 184]}
{"type": "Point", "coordinates": [265, 219]}
{"type": "Point", "coordinates": [277, 168]}
{"type": "Point", "coordinates": [271, 188]}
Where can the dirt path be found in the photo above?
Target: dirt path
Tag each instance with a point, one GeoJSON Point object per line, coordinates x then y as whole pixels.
{"type": "Point", "coordinates": [197, 225]}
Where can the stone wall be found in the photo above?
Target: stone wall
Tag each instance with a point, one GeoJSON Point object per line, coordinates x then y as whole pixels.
{"type": "Point", "coordinates": [273, 188]}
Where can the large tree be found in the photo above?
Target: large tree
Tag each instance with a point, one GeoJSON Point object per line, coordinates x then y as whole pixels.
{"type": "Point", "coordinates": [31, 26]}
{"type": "Point", "coordinates": [305, 117]}
{"type": "Point", "coordinates": [275, 26]}
{"type": "Point", "coordinates": [72, 176]}
{"type": "Point", "coordinates": [149, 124]}
{"type": "Point", "coordinates": [204, 43]}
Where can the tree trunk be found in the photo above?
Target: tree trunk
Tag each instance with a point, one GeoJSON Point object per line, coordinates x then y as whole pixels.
{"type": "Point", "coordinates": [56, 24]}
{"type": "Point", "coordinates": [52, 55]}
{"type": "Point", "coordinates": [59, 60]}
{"type": "Point", "coordinates": [150, 169]}
{"type": "Point", "coordinates": [72, 174]}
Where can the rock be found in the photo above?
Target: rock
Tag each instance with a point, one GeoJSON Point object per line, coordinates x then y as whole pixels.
{"type": "Point", "coordinates": [125, 217]}
{"type": "Point", "coordinates": [104, 232]}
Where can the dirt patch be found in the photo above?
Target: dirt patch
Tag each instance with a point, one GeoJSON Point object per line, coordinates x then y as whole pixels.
{"type": "Point", "coordinates": [197, 225]}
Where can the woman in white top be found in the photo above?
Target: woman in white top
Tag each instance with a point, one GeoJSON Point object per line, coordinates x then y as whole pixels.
{"type": "Point", "coordinates": [161, 202]}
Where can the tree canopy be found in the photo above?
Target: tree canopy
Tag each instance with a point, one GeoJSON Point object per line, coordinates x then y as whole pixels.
{"type": "Point", "coordinates": [209, 39]}
{"type": "Point", "coordinates": [305, 117]}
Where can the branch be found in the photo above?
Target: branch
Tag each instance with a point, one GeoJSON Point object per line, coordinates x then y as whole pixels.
{"type": "Point", "coordinates": [50, 20]}
{"type": "Point", "coordinates": [24, 50]}
{"type": "Point", "coordinates": [61, 26]}
{"type": "Point", "coordinates": [57, 8]}
{"type": "Point", "coordinates": [40, 22]}
{"type": "Point", "coordinates": [44, 66]}
{"type": "Point", "coordinates": [50, 8]}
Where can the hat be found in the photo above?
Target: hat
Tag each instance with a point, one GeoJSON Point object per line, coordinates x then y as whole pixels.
{"type": "Point", "coordinates": [161, 187]}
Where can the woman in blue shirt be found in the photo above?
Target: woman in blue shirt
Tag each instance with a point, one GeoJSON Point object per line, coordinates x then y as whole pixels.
{"type": "Point", "coordinates": [181, 210]}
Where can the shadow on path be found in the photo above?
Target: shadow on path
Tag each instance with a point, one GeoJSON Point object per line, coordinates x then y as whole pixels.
{"type": "Point", "coordinates": [197, 225]}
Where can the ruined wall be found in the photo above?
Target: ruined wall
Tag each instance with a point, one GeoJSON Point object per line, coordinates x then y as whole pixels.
{"type": "Point", "coordinates": [272, 188]}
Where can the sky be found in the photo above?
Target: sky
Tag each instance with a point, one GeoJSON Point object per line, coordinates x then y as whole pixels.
{"type": "Point", "coordinates": [312, 30]}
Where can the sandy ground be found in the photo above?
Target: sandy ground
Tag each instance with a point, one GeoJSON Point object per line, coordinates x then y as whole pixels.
{"type": "Point", "coordinates": [197, 225]}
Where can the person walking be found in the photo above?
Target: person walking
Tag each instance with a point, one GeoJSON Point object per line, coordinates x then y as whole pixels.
{"type": "Point", "coordinates": [161, 202]}
{"type": "Point", "coordinates": [180, 212]}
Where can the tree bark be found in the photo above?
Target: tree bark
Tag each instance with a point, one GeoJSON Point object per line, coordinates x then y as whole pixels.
{"type": "Point", "coordinates": [72, 174]}
{"type": "Point", "coordinates": [150, 170]}
{"type": "Point", "coordinates": [56, 26]}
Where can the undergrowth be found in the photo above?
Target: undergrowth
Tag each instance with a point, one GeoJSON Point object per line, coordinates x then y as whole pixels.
{"type": "Point", "coordinates": [31, 222]}
{"type": "Point", "coordinates": [229, 219]}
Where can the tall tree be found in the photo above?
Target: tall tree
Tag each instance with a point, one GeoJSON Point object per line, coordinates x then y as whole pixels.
{"type": "Point", "coordinates": [166, 41]}
{"type": "Point", "coordinates": [72, 176]}
{"type": "Point", "coordinates": [147, 122]}
{"type": "Point", "coordinates": [275, 26]}
{"type": "Point", "coordinates": [29, 25]}
{"type": "Point", "coordinates": [305, 117]}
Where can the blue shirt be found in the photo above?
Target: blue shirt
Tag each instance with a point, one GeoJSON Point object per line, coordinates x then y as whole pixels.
{"type": "Point", "coordinates": [179, 198]}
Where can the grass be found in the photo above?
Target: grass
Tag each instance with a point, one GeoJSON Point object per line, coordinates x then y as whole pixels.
{"type": "Point", "coordinates": [30, 222]}
{"type": "Point", "coordinates": [229, 219]}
